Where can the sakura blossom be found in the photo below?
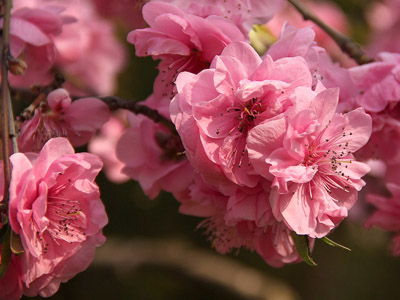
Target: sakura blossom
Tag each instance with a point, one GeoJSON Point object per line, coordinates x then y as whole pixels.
{"type": "Point", "coordinates": [88, 53]}
{"type": "Point", "coordinates": [316, 177]}
{"type": "Point", "coordinates": [33, 27]}
{"type": "Point", "coordinates": [56, 210]}
{"type": "Point", "coordinates": [387, 213]}
{"type": "Point", "coordinates": [215, 110]}
{"type": "Point", "coordinates": [243, 14]}
{"type": "Point", "coordinates": [183, 42]}
{"type": "Point", "coordinates": [241, 220]}
{"type": "Point", "coordinates": [104, 145]}
{"type": "Point", "coordinates": [59, 116]}
{"type": "Point", "coordinates": [158, 154]}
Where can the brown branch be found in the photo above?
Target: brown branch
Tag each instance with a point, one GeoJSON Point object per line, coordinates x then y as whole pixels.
{"type": "Point", "coordinates": [115, 102]}
{"type": "Point", "coordinates": [6, 110]}
{"type": "Point", "coordinates": [344, 42]}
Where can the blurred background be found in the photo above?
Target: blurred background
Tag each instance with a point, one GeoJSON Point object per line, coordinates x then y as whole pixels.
{"type": "Point", "coordinates": [154, 253]}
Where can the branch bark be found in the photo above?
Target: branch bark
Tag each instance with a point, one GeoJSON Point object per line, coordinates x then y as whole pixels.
{"type": "Point", "coordinates": [344, 42]}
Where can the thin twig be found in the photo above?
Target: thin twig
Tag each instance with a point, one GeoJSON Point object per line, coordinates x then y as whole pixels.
{"type": "Point", "coordinates": [344, 42]}
{"type": "Point", "coordinates": [6, 111]}
{"type": "Point", "coordinates": [115, 102]}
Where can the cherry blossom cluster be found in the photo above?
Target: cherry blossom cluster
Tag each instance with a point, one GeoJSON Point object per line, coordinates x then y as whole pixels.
{"type": "Point", "coordinates": [267, 147]}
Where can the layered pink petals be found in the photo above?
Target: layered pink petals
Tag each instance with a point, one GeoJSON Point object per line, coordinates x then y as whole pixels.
{"type": "Point", "coordinates": [56, 210]}
{"type": "Point", "coordinates": [157, 162]}
{"type": "Point", "coordinates": [60, 116]}
{"type": "Point", "coordinates": [215, 110]}
{"type": "Point", "coordinates": [316, 176]}
{"type": "Point", "coordinates": [184, 42]}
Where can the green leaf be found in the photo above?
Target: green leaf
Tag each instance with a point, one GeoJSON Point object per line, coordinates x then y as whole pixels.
{"type": "Point", "coordinates": [303, 247]}
{"type": "Point", "coordinates": [16, 244]}
{"type": "Point", "coordinates": [5, 253]}
{"type": "Point", "coordinates": [334, 244]}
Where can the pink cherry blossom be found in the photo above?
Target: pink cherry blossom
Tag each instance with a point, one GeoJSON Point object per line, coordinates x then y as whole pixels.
{"type": "Point", "coordinates": [384, 19]}
{"type": "Point", "coordinates": [152, 155]}
{"type": "Point", "coordinates": [316, 175]}
{"type": "Point", "coordinates": [243, 13]}
{"type": "Point", "coordinates": [183, 41]}
{"type": "Point", "coordinates": [241, 220]}
{"type": "Point", "coordinates": [56, 210]}
{"type": "Point", "coordinates": [89, 54]}
{"type": "Point", "coordinates": [387, 214]}
{"type": "Point", "coordinates": [377, 82]}
{"type": "Point", "coordinates": [104, 145]}
{"type": "Point", "coordinates": [59, 116]}
{"type": "Point", "coordinates": [33, 27]}
{"type": "Point", "coordinates": [216, 109]}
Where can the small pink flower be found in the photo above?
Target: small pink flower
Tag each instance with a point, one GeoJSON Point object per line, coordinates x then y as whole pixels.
{"type": "Point", "coordinates": [60, 117]}
{"type": "Point", "coordinates": [152, 155]}
{"type": "Point", "coordinates": [387, 214]}
{"type": "Point", "coordinates": [378, 82]}
{"type": "Point", "coordinates": [89, 51]}
{"type": "Point", "coordinates": [316, 175]}
{"type": "Point", "coordinates": [216, 109]}
{"type": "Point", "coordinates": [104, 145]}
{"type": "Point", "coordinates": [56, 210]}
{"type": "Point", "coordinates": [183, 41]}
{"type": "Point", "coordinates": [33, 26]}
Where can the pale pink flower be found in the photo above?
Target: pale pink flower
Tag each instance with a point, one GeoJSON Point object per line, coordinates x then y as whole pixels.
{"type": "Point", "coordinates": [316, 175]}
{"type": "Point", "coordinates": [152, 155]}
{"type": "Point", "coordinates": [89, 54]}
{"type": "Point", "coordinates": [387, 214]}
{"type": "Point", "coordinates": [77, 120]}
{"type": "Point", "coordinates": [56, 210]}
{"type": "Point", "coordinates": [377, 83]}
{"type": "Point", "coordinates": [216, 109]}
{"type": "Point", "coordinates": [243, 13]}
{"type": "Point", "coordinates": [183, 41]}
{"type": "Point", "coordinates": [384, 19]}
{"type": "Point", "coordinates": [33, 26]}
{"type": "Point", "coordinates": [104, 145]}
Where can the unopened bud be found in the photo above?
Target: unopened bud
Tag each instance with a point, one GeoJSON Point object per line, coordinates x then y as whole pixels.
{"type": "Point", "coordinates": [17, 66]}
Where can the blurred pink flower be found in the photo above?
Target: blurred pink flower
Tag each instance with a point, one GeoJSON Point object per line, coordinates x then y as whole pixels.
{"type": "Point", "coordinates": [215, 110]}
{"type": "Point", "coordinates": [387, 214]}
{"type": "Point", "coordinates": [56, 210]}
{"type": "Point", "coordinates": [152, 155]}
{"type": "Point", "coordinates": [316, 175]}
{"type": "Point", "coordinates": [104, 145]}
{"type": "Point", "coordinates": [77, 120]}
{"type": "Point", "coordinates": [33, 27]}
{"type": "Point", "coordinates": [327, 11]}
{"type": "Point", "coordinates": [125, 12]}
{"type": "Point", "coordinates": [89, 54]}
{"type": "Point", "coordinates": [11, 284]}
{"type": "Point", "coordinates": [384, 19]}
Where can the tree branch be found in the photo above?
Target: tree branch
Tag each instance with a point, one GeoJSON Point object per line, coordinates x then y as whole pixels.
{"type": "Point", "coordinates": [115, 102]}
{"type": "Point", "coordinates": [7, 118]}
{"type": "Point", "coordinates": [344, 42]}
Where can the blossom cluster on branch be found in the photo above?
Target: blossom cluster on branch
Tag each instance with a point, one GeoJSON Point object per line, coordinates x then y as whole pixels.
{"type": "Point", "coordinates": [268, 147]}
